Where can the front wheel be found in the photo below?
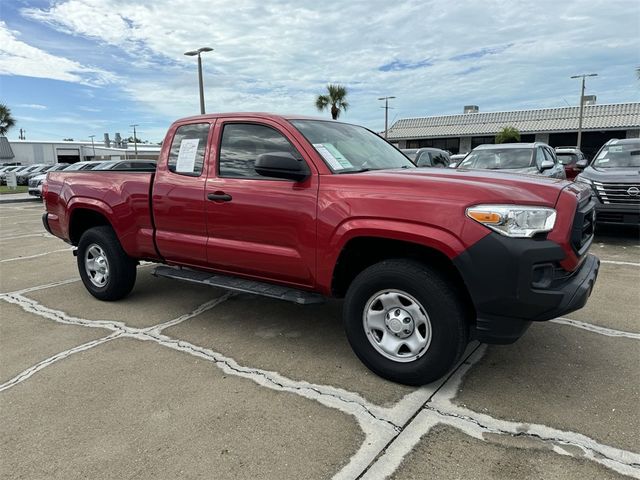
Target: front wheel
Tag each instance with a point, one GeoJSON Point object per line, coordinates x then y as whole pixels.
{"type": "Point", "coordinates": [107, 272]}
{"type": "Point", "coordinates": [405, 321]}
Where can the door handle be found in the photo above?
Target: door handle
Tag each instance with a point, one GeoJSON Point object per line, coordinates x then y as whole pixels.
{"type": "Point", "coordinates": [219, 197]}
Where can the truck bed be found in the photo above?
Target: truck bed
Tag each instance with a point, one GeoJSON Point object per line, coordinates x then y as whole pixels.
{"type": "Point", "coordinates": [123, 196]}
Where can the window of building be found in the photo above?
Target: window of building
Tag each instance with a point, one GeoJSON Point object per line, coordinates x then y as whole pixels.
{"type": "Point", "coordinates": [475, 141]}
{"type": "Point", "coordinates": [241, 145]}
{"type": "Point", "coordinates": [187, 149]}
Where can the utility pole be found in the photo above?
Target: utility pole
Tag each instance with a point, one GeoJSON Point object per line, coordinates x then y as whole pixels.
{"type": "Point", "coordinates": [93, 146]}
{"type": "Point", "coordinates": [583, 76]}
{"type": "Point", "coordinates": [135, 139]}
{"type": "Point", "coordinates": [386, 114]}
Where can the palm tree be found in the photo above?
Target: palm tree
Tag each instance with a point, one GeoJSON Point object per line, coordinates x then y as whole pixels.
{"type": "Point", "coordinates": [508, 135]}
{"type": "Point", "coordinates": [6, 120]}
{"type": "Point", "coordinates": [337, 98]}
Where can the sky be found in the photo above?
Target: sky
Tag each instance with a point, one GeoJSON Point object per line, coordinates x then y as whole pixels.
{"type": "Point", "coordinates": [74, 68]}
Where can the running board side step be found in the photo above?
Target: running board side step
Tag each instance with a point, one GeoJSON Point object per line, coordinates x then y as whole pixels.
{"type": "Point", "coordinates": [239, 285]}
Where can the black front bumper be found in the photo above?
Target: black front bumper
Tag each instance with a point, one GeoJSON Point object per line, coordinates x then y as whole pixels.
{"type": "Point", "coordinates": [513, 282]}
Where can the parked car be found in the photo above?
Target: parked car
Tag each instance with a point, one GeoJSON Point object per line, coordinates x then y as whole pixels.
{"type": "Point", "coordinates": [569, 157]}
{"type": "Point", "coordinates": [456, 159]}
{"type": "Point", "coordinates": [530, 158]}
{"type": "Point", "coordinates": [614, 176]}
{"type": "Point", "coordinates": [23, 177]}
{"type": "Point", "coordinates": [16, 169]}
{"type": "Point", "coordinates": [36, 183]}
{"type": "Point", "coordinates": [127, 165]}
{"type": "Point", "coordinates": [302, 209]}
{"type": "Point", "coordinates": [51, 168]}
{"type": "Point", "coordinates": [428, 157]}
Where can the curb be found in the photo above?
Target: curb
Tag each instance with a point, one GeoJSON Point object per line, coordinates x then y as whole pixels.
{"type": "Point", "coordinates": [19, 200]}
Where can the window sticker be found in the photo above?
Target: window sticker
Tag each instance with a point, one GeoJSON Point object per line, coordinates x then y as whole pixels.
{"type": "Point", "coordinates": [187, 155]}
{"type": "Point", "coordinates": [616, 148]}
{"type": "Point", "coordinates": [332, 155]}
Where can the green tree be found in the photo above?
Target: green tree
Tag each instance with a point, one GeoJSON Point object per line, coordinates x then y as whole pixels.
{"type": "Point", "coordinates": [6, 120]}
{"type": "Point", "coordinates": [336, 99]}
{"type": "Point", "coordinates": [508, 135]}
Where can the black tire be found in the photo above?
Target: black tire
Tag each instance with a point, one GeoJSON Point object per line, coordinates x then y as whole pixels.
{"type": "Point", "coordinates": [436, 295]}
{"type": "Point", "coordinates": [121, 268]}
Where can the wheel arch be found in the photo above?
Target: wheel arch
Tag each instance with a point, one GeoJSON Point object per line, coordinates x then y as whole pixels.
{"type": "Point", "coordinates": [361, 252]}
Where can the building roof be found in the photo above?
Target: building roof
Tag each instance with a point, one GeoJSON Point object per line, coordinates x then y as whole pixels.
{"type": "Point", "coordinates": [595, 117]}
{"type": "Point", "coordinates": [6, 153]}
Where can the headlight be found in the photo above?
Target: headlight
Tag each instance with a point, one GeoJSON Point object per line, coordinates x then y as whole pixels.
{"type": "Point", "coordinates": [514, 220]}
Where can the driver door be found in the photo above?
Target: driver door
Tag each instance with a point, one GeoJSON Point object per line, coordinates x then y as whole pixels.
{"type": "Point", "coordinates": [259, 226]}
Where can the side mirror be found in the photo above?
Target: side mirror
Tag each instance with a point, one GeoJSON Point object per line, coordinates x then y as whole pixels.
{"type": "Point", "coordinates": [453, 164]}
{"type": "Point", "coordinates": [582, 164]}
{"type": "Point", "coordinates": [546, 165]}
{"type": "Point", "coordinates": [281, 165]}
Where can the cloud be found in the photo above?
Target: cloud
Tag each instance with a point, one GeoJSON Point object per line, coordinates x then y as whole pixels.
{"type": "Point", "coordinates": [277, 55]}
{"type": "Point", "coordinates": [33, 106]}
{"type": "Point", "coordinates": [20, 58]}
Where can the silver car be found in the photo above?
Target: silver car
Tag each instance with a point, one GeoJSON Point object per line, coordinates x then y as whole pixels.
{"type": "Point", "coordinates": [530, 158]}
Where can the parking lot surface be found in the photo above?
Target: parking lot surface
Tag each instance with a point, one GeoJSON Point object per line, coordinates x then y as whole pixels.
{"type": "Point", "coordinates": [186, 381]}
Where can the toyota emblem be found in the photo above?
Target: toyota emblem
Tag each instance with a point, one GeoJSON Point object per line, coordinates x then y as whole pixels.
{"type": "Point", "coordinates": [633, 191]}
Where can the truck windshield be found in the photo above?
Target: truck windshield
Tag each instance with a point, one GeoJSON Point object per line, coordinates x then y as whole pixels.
{"type": "Point", "coordinates": [349, 148]}
{"type": "Point", "coordinates": [619, 156]}
{"type": "Point", "coordinates": [497, 158]}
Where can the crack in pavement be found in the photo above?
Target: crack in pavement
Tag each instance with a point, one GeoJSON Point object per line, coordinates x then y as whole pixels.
{"type": "Point", "coordinates": [590, 327]}
{"type": "Point", "coordinates": [390, 432]}
{"type": "Point", "coordinates": [378, 430]}
{"type": "Point", "coordinates": [441, 410]}
{"type": "Point", "coordinates": [25, 374]}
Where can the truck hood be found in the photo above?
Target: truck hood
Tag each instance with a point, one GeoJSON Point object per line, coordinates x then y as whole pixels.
{"type": "Point", "coordinates": [612, 175]}
{"type": "Point", "coordinates": [458, 186]}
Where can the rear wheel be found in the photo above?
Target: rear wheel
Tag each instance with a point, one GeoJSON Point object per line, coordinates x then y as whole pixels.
{"type": "Point", "coordinates": [405, 321]}
{"type": "Point", "coordinates": [107, 272]}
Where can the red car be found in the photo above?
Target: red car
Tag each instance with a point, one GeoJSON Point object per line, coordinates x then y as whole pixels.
{"type": "Point", "coordinates": [301, 209]}
{"type": "Point", "coordinates": [569, 158]}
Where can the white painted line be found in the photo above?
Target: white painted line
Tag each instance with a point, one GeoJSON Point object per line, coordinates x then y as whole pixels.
{"type": "Point", "coordinates": [16, 237]}
{"type": "Point", "coordinates": [442, 411]}
{"type": "Point", "coordinates": [609, 332]}
{"type": "Point", "coordinates": [26, 257]}
{"type": "Point", "coordinates": [378, 431]}
{"type": "Point", "coordinates": [615, 262]}
{"type": "Point", "coordinates": [24, 375]}
{"type": "Point", "coordinates": [41, 287]}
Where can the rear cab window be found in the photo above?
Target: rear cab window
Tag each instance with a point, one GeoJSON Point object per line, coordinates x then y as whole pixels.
{"type": "Point", "coordinates": [188, 147]}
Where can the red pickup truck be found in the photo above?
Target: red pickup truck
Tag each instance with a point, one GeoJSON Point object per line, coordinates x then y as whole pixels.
{"type": "Point", "coordinates": [302, 209]}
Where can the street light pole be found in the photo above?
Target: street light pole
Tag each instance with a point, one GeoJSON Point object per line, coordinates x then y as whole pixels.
{"type": "Point", "coordinates": [192, 53]}
{"type": "Point", "coordinates": [583, 76]}
{"type": "Point", "coordinates": [386, 114]}
{"type": "Point", "coordinates": [93, 146]}
{"type": "Point", "coordinates": [135, 139]}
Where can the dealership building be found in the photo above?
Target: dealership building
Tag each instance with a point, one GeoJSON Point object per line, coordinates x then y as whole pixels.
{"type": "Point", "coordinates": [555, 126]}
{"type": "Point", "coordinates": [27, 152]}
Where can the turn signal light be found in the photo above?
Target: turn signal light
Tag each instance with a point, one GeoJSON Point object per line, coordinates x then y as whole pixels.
{"type": "Point", "coordinates": [485, 217]}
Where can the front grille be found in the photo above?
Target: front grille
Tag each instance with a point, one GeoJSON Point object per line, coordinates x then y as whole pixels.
{"type": "Point", "coordinates": [583, 226]}
{"type": "Point", "coordinates": [618, 193]}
